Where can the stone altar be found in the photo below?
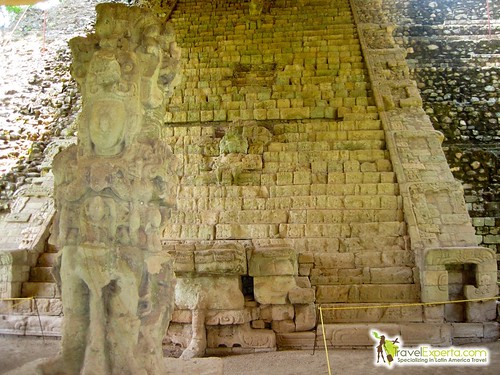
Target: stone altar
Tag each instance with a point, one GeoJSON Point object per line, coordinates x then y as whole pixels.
{"type": "Point", "coordinates": [113, 193]}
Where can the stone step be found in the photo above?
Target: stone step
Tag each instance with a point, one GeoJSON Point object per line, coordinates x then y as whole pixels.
{"type": "Point", "coordinates": [33, 306]}
{"type": "Point", "coordinates": [341, 216]}
{"type": "Point", "coordinates": [368, 293]}
{"type": "Point", "coordinates": [311, 127]}
{"type": "Point", "coordinates": [285, 174]}
{"type": "Point", "coordinates": [290, 202]}
{"type": "Point", "coordinates": [291, 141]}
{"type": "Point", "coordinates": [306, 202]}
{"type": "Point", "coordinates": [40, 290]}
{"type": "Point", "coordinates": [398, 274]}
{"type": "Point", "coordinates": [373, 184]}
{"type": "Point", "coordinates": [321, 180]}
{"type": "Point", "coordinates": [47, 259]}
{"type": "Point", "coordinates": [235, 231]}
{"type": "Point", "coordinates": [41, 274]}
{"type": "Point", "coordinates": [372, 115]}
{"type": "Point", "coordinates": [358, 154]}
{"type": "Point", "coordinates": [405, 323]}
{"type": "Point", "coordinates": [21, 325]}
{"type": "Point", "coordinates": [384, 251]}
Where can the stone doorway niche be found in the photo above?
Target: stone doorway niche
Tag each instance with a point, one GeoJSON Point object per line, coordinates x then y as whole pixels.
{"type": "Point", "coordinates": [458, 276]}
{"type": "Point", "coordinates": [461, 273]}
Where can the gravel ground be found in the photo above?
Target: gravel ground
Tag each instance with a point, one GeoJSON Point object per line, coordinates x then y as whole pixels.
{"type": "Point", "coordinates": [15, 351]}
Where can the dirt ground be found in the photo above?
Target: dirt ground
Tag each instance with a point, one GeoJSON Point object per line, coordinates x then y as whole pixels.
{"type": "Point", "coordinates": [16, 351]}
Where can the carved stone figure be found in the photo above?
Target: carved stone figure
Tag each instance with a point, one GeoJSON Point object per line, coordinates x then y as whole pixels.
{"type": "Point", "coordinates": [112, 193]}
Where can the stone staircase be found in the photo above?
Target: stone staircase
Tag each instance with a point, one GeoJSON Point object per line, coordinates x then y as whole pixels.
{"type": "Point", "coordinates": [27, 259]}
{"type": "Point", "coordinates": [41, 282]}
{"type": "Point", "coordinates": [315, 174]}
{"type": "Point", "coordinates": [281, 146]}
{"type": "Point", "coordinates": [278, 65]}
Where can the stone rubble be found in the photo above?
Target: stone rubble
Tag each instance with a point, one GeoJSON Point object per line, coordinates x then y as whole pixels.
{"type": "Point", "coordinates": [38, 98]}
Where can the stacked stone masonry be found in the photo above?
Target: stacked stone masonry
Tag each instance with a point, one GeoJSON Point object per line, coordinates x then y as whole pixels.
{"type": "Point", "coordinates": [309, 174]}
{"type": "Point", "coordinates": [274, 66]}
{"type": "Point", "coordinates": [453, 51]}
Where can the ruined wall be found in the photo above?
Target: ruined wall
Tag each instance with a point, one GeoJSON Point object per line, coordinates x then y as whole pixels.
{"type": "Point", "coordinates": [453, 52]}
{"type": "Point", "coordinates": [283, 127]}
{"type": "Point", "coordinates": [286, 182]}
{"type": "Point", "coordinates": [309, 174]}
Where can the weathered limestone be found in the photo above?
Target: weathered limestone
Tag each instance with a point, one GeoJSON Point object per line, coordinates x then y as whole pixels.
{"type": "Point", "coordinates": [308, 174]}
{"type": "Point", "coordinates": [113, 194]}
{"type": "Point", "coordinates": [25, 230]}
{"type": "Point", "coordinates": [451, 266]}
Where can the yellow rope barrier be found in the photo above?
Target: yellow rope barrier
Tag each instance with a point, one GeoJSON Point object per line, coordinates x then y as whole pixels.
{"type": "Point", "coordinates": [324, 341]}
{"type": "Point", "coordinates": [412, 304]}
{"type": "Point", "coordinates": [21, 300]}
{"type": "Point", "coordinates": [384, 307]}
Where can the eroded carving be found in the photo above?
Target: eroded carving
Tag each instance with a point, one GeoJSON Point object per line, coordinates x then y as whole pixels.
{"type": "Point", "coordinates": [240, 151]}
{"type": "Point", "coordinates": [113, 195]}
{"type": "Point", "coordinates": [435, 282]}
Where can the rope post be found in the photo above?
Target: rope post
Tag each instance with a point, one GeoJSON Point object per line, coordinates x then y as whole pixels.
{"type": "Point", "coordinates": [39, 319]}
{"type": "Point", "coordinates": [324, 341]}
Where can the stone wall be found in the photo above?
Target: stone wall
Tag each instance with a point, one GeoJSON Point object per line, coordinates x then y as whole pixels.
{"type": "Point", "coordinates": [272, 66]}
{"type": "Point", "coordinates": [310, 174]}
{"type": "Point", "coordinates": [307, 139]}
{"type": "Point", "coordinates": [453, 53]}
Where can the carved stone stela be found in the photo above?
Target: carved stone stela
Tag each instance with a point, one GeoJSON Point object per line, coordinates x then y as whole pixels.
{"type": "Point", "coordinates": [113, 196]}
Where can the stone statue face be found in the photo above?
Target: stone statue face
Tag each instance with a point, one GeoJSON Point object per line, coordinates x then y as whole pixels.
{"type": "Point", "coordinates": [107, 122]}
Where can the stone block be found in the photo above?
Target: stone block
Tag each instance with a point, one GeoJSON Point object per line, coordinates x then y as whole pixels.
{"type": "Point", "coordinates": [305, 317]}
{"type": "Point", "coordinates": [270, 290]}
{"type": "Point", "coordinates": [216, 292]}
{"type": "Point", "coordinates": [467, 329]}
{"type": "Point", "coordinates": [332, 293]}
{"type": "Point", "coordinates": [283, 326]}
{"type": "Point", "coordinates": [303, 282]}
{"type": "Point", "coordinates": [294, 113]}
{"type": "Point", "coordinates": [434, 314]}
{"type": "Point", "coordinates": [305, 269]}
{"type": "Point", "coordinates": [269, 313]}
{"type": "Point", "coordinates": [223, 261]}
{"type": "Point", "coordinates": [367, 293]}
{"type": "Point", "coordinates": [372, 312]}
{"type": "Point", "coordinates": [481, 311]}
{"type": "Point", "coordinates": [491, 331]}
{"type": "Point", "coordinates": [414, 334]}
{"type": "Point", "coordinates": [301, 295]}
{"type": "Point", "coordinates": [226, 317]}
{"type": "Point", "coordinates": [337, 260]}
{"type": "Point", "coordinates": [273, 261]}
{"type": "Point", "coordinates": [391, 275]}
{"type": "Point", "coordinates": [306, 258]}
{"type": "Point", "coordinates": [295, 340]}
{"type": "Point", "coordinates": [182, 316]}
{"type": "Point", "coordinates": [433, 293]}
{"type": "Point", "coordinates": [354, 335]}
{"type": "Point", "coordinates": [48, 306]}
{"type": "Point", "coordinates": [258, 324]}
{"type": "Point", "coordinates": [42, 290]}
{"type": "Point", "coordinates": [241, 336]}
